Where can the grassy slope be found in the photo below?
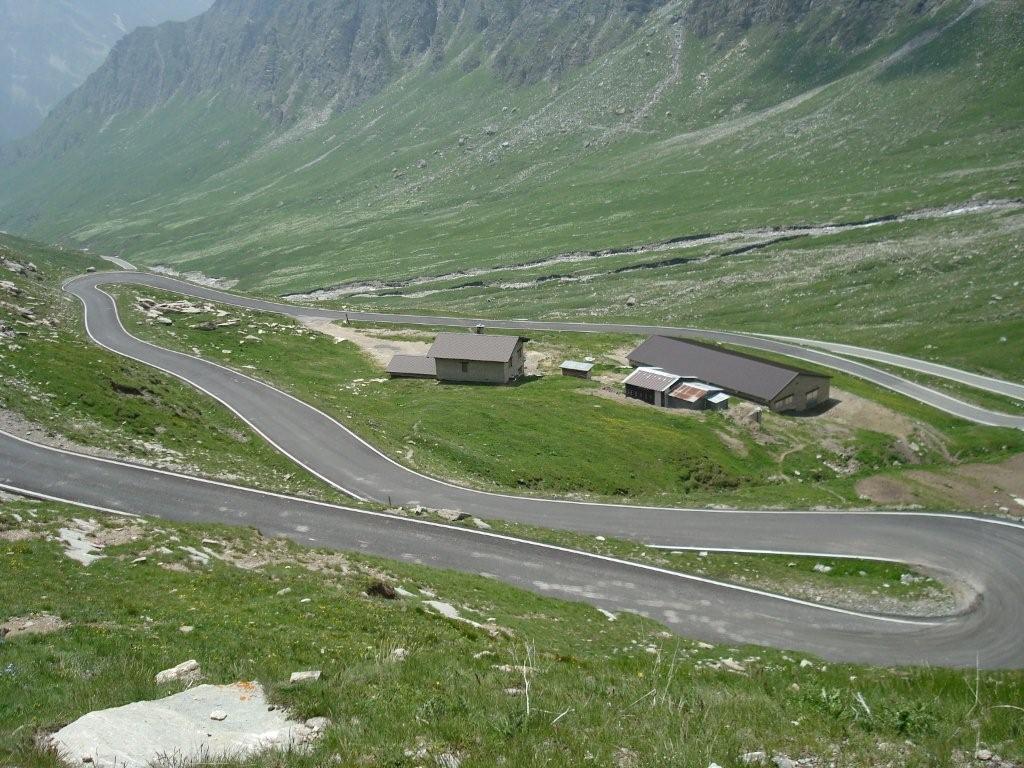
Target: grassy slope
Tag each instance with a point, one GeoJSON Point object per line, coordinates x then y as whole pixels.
{"type": "Point", "coordinates": [875, 141]}
{"type": "Point", "coordinates": [949, 290]}
{"type": "Point", "coordinates": [547, 436]}
{"type": "Point", "coordinates": [102, 401]}
{"type": "Point", "coordinates": [628, 692]}
{"type": "Point", "coordinates": [53, 377]}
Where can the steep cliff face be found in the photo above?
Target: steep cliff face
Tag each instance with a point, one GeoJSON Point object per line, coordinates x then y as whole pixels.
{"type": "Point", "coordinates": [283, 57]}
{"type": "Point", "coordinates": [48, 48]}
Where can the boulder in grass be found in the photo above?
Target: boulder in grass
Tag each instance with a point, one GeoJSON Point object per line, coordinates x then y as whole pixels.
{"type": "Point", "coordinates": [310, 676]}
{"type": "Point", "coordinates": [180, 730]}
{"type": "Point", "coordinates": [187, 672]}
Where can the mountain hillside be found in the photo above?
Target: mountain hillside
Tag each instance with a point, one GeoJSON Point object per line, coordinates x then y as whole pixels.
{"type": "Point", "coordinates": [48, 48]}
{"type": "Point", "coordinates": [478, 155]}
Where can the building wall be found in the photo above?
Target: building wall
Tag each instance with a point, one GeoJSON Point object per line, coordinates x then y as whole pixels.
{"type": "Point", "coordinates": [475, 371]}
{"type": "Point", "coordinates": [575, 374]}
{"type": "Point", "coordinates": [483, 372]}
{"type": "Point", "coordinates": [802, 390]}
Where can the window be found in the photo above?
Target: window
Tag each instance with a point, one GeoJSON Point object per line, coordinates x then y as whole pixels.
{"type": "Point", "coordinates": [465, 367]}
{"type": "Point", "coordinates": [813, 395]}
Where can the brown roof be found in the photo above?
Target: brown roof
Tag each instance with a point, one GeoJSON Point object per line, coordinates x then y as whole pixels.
{"type": "Point", "coordinates": [474, 346]}
{"type": "Point", "coordinates": [752, 377]}
{"type": "Point", "coordinates": [417, 366]}
{"type": "Point", "coordinates": [689, 394]}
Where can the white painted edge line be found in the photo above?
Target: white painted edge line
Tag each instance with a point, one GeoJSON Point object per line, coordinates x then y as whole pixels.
{"type": "Point", "coordinates": [296, 310]}
{"type": "Point", "coordinates": [491, 493]}
{"type": "Point", "coordinates": [223, 402]}
{"type": "Point", "coordinates": [736, 551]}
{"type": "Point", "coordinates": [387, 458]}
{"type": "Point", "coordinates": [488, 535]}
{"type": "Point", "coordinates": [47, 497]}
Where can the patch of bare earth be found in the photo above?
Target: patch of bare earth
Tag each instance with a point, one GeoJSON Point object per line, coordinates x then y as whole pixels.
{"type": "Point", "coordinates": [41, 624]}
{"type": "Point", "coordinates": [860, 413]}
{"type": "Point", "coordinates": [380, 349]}
{"type": "Point", "coordinates": [991, 488]}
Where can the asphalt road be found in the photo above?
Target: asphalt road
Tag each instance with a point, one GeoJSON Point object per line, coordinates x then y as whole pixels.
{"type": "Point", "coordinates": [984, 558]}
{"type": "Point", "coordinates": [794, 348]}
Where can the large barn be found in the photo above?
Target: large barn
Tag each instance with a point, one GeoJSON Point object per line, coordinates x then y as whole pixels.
{"type": "Point", "coordinates": [777, 386]}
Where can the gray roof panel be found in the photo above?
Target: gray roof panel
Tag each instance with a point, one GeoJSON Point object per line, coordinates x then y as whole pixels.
{"type": "Point", "coordinates": [575, 365]}
{"type": "Point", "coordinates": [412, 365]}
{"type": "Point", "coordinates": [480, 347]}
{"type": "Point", "coordinates": [651, 379]}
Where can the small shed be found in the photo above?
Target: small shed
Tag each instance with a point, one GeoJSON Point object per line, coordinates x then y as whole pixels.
{"type": "Point", "coordinates": [697, 396]}
{"type": "Point", "coordinates": [412, 367]}
{"type": "Point", "coordinates": [650, 385]}
{"type": "Point", "coordinates": [577, 369]}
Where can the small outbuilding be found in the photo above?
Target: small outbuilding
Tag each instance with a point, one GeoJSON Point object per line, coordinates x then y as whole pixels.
{"type": "Point", "coordinates": [650, 385]}
{"type": "Point", "coordinates": [697, 396]}
{"type": "Point", "coordinates": [577, 369]}
{"type": "Point", "coordinates": [412, 367]}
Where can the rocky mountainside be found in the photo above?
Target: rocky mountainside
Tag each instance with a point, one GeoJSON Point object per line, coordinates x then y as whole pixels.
{"type": "Point", "coordinates": [328, 55]}
{"type": "Point", "coordinates": [48, 48]}
{"type": "Point", "coordinates": [298, 145]}
{"type": "Point", "coordinates": [331, 54]}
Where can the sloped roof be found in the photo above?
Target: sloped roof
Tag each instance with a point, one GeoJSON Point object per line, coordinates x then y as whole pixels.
{"type": "Point", "coordinates": [653, 379]}
{"type": "Point", "coordinates": [412, 365]}
{"type": "Point", "coordinates": [575, 365]}
{"type": "Point", "coordinates": [481, 347]}
{"type": "Point", "coordinates": [688, 394]}
{"type": "Point", "coordinates": [746, 375]}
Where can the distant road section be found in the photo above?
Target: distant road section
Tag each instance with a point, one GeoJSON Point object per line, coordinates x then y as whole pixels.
{"type": "Point", "coordinates": [120, 263]}
{"type": "Point", "coordinates": [790, 348]}
{"type": "Point", "coordinates": [984, 383]}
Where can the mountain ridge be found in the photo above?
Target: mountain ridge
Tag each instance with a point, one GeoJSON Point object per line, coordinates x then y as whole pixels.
{"type": "Point", "coordinates": [48, 48]}
{"type": "Point", "coordinates": [451, 163]}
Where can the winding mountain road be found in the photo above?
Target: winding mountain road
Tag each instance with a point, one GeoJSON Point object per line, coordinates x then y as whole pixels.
{"type": "Point", "coordinates": [821, 353]}
{"type": "Point", "coordinates": [984, 558]}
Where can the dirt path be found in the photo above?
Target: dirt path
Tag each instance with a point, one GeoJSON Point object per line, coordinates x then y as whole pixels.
{"type": "Point", "coordinates": [990, 488]}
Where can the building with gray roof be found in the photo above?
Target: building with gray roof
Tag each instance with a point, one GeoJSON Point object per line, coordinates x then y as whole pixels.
{"type": "Point", "coordinates": [466, 357]}
{"type": "Point", "coordinates": [776, 385]}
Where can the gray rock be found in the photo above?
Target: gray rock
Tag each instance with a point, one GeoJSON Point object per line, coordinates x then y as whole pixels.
{"type": "Point", "coordinates": [782, 761]}
{"type": "Point", "coordinates": [319, 724]}
{"type": "Point", "coordinates": [186, 672]}
{"type": "Point", "coordinates": [141, 734]}
{"type": "Point", "coordinates": [448, 760]}
{"type": "Point", "coordinates": [219, 715]}
{"type": "Point", "coordinates": [754, 758]}
{"type": "Point", "coordinates": [305, 677]}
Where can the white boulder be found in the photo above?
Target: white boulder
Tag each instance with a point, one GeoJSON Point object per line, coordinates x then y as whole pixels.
{"type": "Point", "coordinates": [179, 729]}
